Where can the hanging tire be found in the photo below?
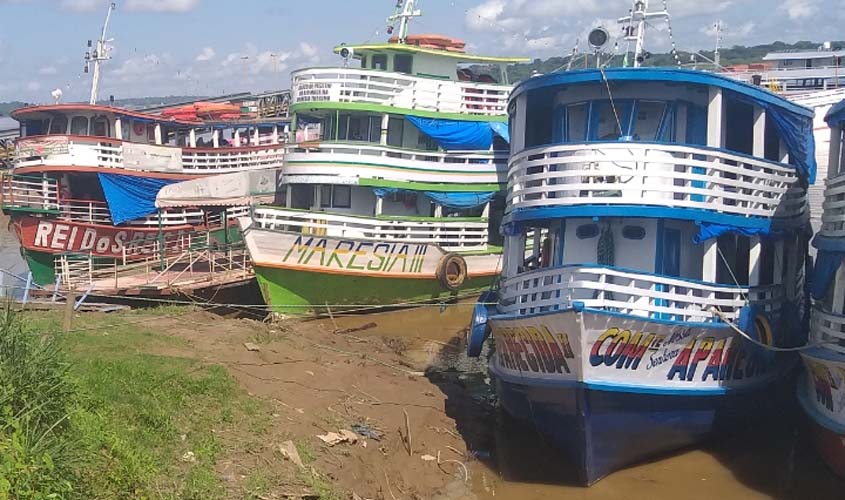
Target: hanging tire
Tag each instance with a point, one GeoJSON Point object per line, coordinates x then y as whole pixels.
{"type": "Point", "coordinates": [451, 272]}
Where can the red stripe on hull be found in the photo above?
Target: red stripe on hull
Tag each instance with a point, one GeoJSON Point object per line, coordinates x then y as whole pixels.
{"type": "Point", "coordinates": [831, 446]}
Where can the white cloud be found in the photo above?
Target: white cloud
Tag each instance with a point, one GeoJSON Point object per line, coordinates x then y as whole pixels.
{"type": "Point", "coordinates": [206, 54]}
{"type": "Point", "coordinates": [82, 5]}
{"type": "Point", "coordinates": [162, 5]}
{"type": "Point", "coordinates": [48, 70]}
{"type": "Point", "coordinates": [800, 9]}
{"type": "Point", "coordinates": [33, 86]}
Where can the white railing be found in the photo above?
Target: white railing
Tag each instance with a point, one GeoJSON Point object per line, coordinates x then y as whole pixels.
{"type": "Point", "coordinates": [398, 90]}
{"type": "Point", "coordinates": [97, 212]}
{"type": "Point", "coordinates": [633, 173]}
{"type": "Point", "coordinates": [223, 160]}
{"type": "Point", "coordinates": [102, 152]}
{"type": "Point", "coordinates": [460, 234]}
{"type": "Point", "coordinates": [29, 192]}
{"type": "Point", "coordinates": [629, 292]}
{"type": "Point", "coordinates": [459, 167]}
{"type": "Point", "coordinates": [833, 208]}
{"type": "Point", "coordinates": [828, 328]}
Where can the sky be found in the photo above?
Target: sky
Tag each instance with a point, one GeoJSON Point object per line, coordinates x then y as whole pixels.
{"type": "Point", "coordinates": [213, 47]}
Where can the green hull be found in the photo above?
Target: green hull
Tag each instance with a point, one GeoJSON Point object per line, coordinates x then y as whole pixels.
{"type": "Point", "coordinates": [294, 292]}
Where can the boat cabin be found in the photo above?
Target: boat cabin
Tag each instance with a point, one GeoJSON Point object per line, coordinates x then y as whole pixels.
{"type": "Point", "coordinates": [657, 193]}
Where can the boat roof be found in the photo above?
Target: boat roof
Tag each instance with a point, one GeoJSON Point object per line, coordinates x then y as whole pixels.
{"type": "Point", "coordinates": [58, 109]}
{"type": "Point", "coordinates": [667, 75]}
{"type": "Point", "coordinates": [459, 57]}
{"type": "Point", "coordinates": [804, 54]}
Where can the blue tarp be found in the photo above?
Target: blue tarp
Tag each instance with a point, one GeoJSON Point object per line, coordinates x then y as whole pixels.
{"type": "Point", "coordinates": [501, 129]}
{"type": "Point", "coordinates": [130, 197]}
{"type": "Point", "coordinates": [708, 231]}
{"type": "Point", "coordinates": [456, 135]}
{"type": "Point", "coordinates": [460, 200]}
{"type": "Point", "coordinates": [827, 263]}
{"type": "Point", "coordinates": [836, 115]}
{"type": "Point", "coordinates": [457, 200]}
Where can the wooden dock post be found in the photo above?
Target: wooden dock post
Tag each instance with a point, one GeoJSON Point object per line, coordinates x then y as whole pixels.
{"type": "Point", "coordinates": [70, 298]}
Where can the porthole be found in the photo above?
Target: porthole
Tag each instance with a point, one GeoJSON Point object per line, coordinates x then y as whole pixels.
{"type": "Point", "coordinates": [587, 231]}
{"type": "Point", "coordinates": [633, 232]}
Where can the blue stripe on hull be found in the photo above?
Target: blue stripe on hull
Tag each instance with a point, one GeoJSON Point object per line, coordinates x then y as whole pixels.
{"type": "Point", "coordinates": [604, 431]}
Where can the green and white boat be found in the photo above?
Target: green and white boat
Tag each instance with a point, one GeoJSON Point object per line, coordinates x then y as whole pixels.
{"type": "Point", "coordinates": [393, 189]}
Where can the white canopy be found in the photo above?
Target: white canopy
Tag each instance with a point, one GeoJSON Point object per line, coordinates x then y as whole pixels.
{"type": "Point", "coordinates": [240, 188]}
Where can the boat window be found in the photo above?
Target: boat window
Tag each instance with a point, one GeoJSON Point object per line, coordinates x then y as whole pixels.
{"type": "Point", "coordinates": [379, 61]}
{"type": "Point", "coordinates": [335, 196]}
{"type": "Point", "coordinates": [647, 120]}
{"type": "Point", "coordinates": [576, 122]}
{"type": "Point", "coordinates": [79, 125]}
{"type": "Point", "coordinates": [396, 130]}
{"type": "Point", "coordinates": [403, 63]}
{"type": "Point", "coordinates": [587, 231]}
{"type": "Point", "coordinates": [605, 126]}
{"type": "Point", "coordinates": [100, 127]}
{"type": "Point", "coordinates": [36, 127]}
{"type": "Point", "coordinates": [363, 61]}
{"type": "Point", "coordinates": [633, 232]}
{"type": "Point", "coordinates": [58, 125]}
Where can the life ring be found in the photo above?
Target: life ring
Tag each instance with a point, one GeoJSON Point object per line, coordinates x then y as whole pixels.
{"type": "Point", "coordinates": [753, 321]}
{"type": "Point", "coordinates": [139, 128]}
{"type": "Point", "coordinates": [451, 271]}
{"type": "Point", "coordinates": [479, 329]}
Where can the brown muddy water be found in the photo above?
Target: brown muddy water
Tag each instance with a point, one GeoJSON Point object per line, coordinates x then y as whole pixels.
{"type": "Point", "coordinates": [772, 460]}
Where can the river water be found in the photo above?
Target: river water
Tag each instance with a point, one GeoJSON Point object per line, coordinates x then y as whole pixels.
{"type": "Point", "coordinates": [773, 460]}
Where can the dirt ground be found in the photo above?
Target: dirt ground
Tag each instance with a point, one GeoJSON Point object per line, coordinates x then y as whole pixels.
{"type": "Point", "coordinates": [389, 373]}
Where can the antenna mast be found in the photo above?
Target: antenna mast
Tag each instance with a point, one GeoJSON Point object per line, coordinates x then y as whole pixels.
{"type": "Point", "coordinates": [404, 13]}
{"type": "Point", "coordinates": [635, 25]}
{"type": "Point", "coordinates": [717, 57]}
{"type": "Point", "coordinates": [100, 54]}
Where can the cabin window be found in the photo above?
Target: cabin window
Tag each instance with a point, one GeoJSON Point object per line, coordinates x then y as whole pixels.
{"type": "Point", "coordinates": [587, 231]}
{"type": "Point", "coordinates": [79, 125]}
{"type": "Point", "coordinates": [363, 61]}
{"type": "Point", "coordinates": [58, 125]}
{"type": "Point", "coordinates": [576, 122]}
{"type": "Point", "coordinates": [647, 120]}
{"type": "Point", "coordinates": [604, 125]}
{"type": "Point", "coordinates": [335, 196]}
{"type": "Point", "coordinates": [403, 63]}
{"type": "Point", "coordinates": [100, 127]}
{"type": "Point", "coordinates": [36, 127]}
{"type": "Point", "coordinates": [379, 61]}
{"type": "Point", "coordinates": [633, 232]}
{"type": "Point", "coordinates": [396, 131]}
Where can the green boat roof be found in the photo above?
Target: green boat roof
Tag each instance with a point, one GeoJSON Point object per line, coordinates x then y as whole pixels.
{"type": "Point", "coordinates": [459, 57]}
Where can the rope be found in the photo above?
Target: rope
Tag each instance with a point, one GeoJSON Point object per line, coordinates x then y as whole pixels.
{"type": "Point", "coordinates": [733, 276]}
{"type": "Point", "coordinates": [612, 103]}
{"type": "Point", "coordinates": [719, 314]}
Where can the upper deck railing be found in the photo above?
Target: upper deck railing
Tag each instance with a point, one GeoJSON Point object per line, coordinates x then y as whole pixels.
{"type": "Point", "coordinates": [828, 329]}
{"type": "Point", "coordinates": [833, 215]}
{"type": "Point", "coordinates": [104, 152]}
{"type": "Point", "coordinates": [373, 160]}
{"type": "Point", "coordinates": [452, 234]}
{"type": "Point", "coordinates": [350, 85]}
{"type": "Point", "coordinates": [634, 173]}
{"type": "Point", "coordinates": [629, 292]}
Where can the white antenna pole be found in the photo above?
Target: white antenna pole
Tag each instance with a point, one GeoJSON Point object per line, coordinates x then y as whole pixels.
{"type": "Point", "coordinates": [101, 53]}
{"type": "Point", "coordinates": [717, 57]}
{"type": "Point", "coordinates": [636, 23]}
{"type": "Point", "coordinates": [408, 12]}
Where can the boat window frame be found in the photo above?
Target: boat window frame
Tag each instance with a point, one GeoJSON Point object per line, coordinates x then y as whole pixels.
{"type": "Point", "coordinates": [98, 118]}
{"type": "Point", "coordinates": [73, 130]}
{"type": "Point", "coordinates": [376, 60]}
{"type": "Point", "coordinates": [403, 57]}
{"type": "Point", "coordinates": [333, 189]}
{"type": "Point", "coordinates": [64, 130]}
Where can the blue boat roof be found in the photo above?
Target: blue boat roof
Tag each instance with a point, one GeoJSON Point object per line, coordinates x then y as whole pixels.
{"type": "Point", "coordinates": [793, 121]}
{"type": "Point", "coordinates": [836, 114]}
{"type": "Point", "coordinates": [669, 75]}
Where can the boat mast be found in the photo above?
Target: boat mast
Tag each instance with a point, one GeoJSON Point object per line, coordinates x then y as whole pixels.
{"type": "Point", "coordinates": [100, 54]}
{"type": "Point", "coordinates": [635, 24]}
{"type": "Point", "coordinates": [404, 17]}
{"type": "Point", "coordinates": [717, 57]}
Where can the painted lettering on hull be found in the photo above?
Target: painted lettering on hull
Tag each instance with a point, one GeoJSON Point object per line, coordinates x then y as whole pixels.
{"type": "Point", "coordinates": [533, 349]}
{"type": "Point", "coordinates": [623, 349]}
{"type": "Point", "coordinates": [355, 255]}
{"type": "Point", "coordinates": [718, 360]}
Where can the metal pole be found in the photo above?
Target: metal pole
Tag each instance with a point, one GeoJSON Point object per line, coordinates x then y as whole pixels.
{"type": "Point", "coordinates": [26, 289]}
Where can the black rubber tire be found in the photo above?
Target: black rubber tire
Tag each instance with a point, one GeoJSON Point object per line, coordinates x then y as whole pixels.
{"type": "Point", "coordinates": [452, 272]}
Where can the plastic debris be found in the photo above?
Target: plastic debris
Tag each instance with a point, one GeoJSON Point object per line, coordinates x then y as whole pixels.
{"type": "Point", "coordinates": [428, 458]}
{"type": "Point", "coordinates": [366, 431]}
{"type": "Point", "coordinates": [343, 436]}
{"type": "Point", "coordinates": [189, 457]}
{"type": "Point", "coordinates": [289, 452]}
{"type": "Point", "coordinates": [249, 346]}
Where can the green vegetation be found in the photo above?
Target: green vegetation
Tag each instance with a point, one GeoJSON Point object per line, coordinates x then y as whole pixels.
{"type": "Point", "coordinates": [92, 414]}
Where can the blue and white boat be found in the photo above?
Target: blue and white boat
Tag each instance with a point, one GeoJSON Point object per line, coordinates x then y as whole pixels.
{"type": "Point", "coordinates": [821, 391]}
{"type": "Point", "coordinates": [655, 218]}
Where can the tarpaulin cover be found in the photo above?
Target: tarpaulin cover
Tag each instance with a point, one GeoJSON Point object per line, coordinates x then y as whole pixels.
{"type": "Point", "coordinates": [708, 231]}
{"type": "Point", "coordinates": [130, 197]}
{"type": "Point", "coordinates": [456, 135]}
{"type": "Point", "coordinates": [827, 263]}
{"type": "Point", "coordinates": [457, 200]}
{"type": "Point", "coordinates": [836, 115]}
{"type": "Point", "coordinates": [460, 200]}
{"type": "Point", "coordinates": [238, 188]}
{"type": "Point", "coordinates": [501, 129]}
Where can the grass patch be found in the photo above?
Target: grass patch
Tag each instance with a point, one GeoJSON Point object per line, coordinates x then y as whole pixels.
{"type": "Point", "coordinates": [92, 414]}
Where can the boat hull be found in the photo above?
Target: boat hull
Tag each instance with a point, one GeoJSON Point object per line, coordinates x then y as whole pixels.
{"type": "Point", "coordinates": [610, 391]}
{"type": "Point", "coordinates": [821, 392]}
